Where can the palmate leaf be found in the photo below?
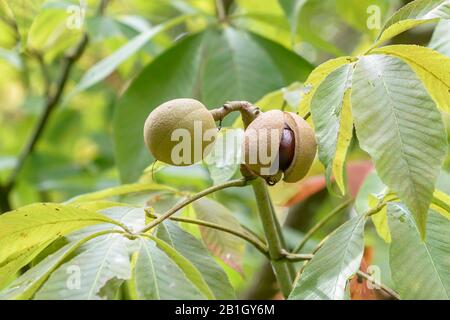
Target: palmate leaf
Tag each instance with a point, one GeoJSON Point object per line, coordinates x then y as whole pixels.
{"type": "Point", "coordinates": [420, 269]}
{"type": "Point", "coordinates": [414, 14]}
{"type": "Point", "coordinates": [317, 77]}
{"type": "Point", "coordinates": [193, 250]}
{"type": "Point", "coordinates": [441, 38]}
{"type": "Point", "coordinates": [331, 114]}
{"type": "Point", "coordinates": [157, 277]}
{"type": "Point", "coordinates": [132, 218]}
{"type": "Point", "coordinates": [223, 245]}
{"type": "Point", "coordinates": [189, 269]}
{"type": "Point", "coordinates": [84, 276]}
{"type": "Point", "coordinates": [214, 66]}
{"type": "Point", "coordinates": [325, 276]}
{"type": "Point", "coordinates": [399, 126]}
{"type": "Point", "coordinates": [430, 66]}
{"type": "Point", "coordinates": [24, 232]}
{"type": "Point", "coordinates": [25, 286]}
{"type": "Point", "coordinates": [10, 267]}
{"type": "Point", "coordinates": [88, 260]}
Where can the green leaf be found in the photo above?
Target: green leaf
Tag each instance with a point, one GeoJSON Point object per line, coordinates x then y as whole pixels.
{"type": "Point", "coordinates": [49, 34]}
{"type": "Point", "coordinates": [157, 277]}
{"type": "Point", "coordinates": [399, 126]}
{"type": "Point", "coordinates": [292, 9]}
{"type": "Point", "coordinates": [25, 13]}
{"type": "Point", "coordinates": [191, 272]}
{"type": "Point", "coordinates": [226, 246]}
{"type": "Point", "coordinates": [214, 66]}
{"type": "Point", "coordinates": [412, 15]}
{"type": "Point", "coordinates": [356, 13]}
{"type": "Point", "coordinates": [441, 38]}
{"type": "Point", "coordinates": [27, 284]}
{"type": "Point", "coordinates": [84, 276]}
{"type": "Point", "coordinates": [10, 267]}
{"type": "Point", "coordinates": [193, 250]}
{"type": "Point", "coordinates": [27, 229]}
{"type": "Point", "coordinates": [420, 269]}
{"type": "Point", "coordinates": [430, 66]}
{"type": "Point", "coordinates": [331, 114]}
{"type": "Point", "coordinates": [105, 67]}
{"type": "Point", "coordinates": [120, 191]}
{"type": "Point", "coordinates": [325, 276]}
{"type": "Point", "coordinates": [317, 77]}
{"type": "Point", "coordinates": [132, 218]}
{"type": "Point", "coordinates": [225, 159]}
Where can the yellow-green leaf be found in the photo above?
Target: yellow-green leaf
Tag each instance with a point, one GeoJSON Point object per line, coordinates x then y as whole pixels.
{"type": "Point", "coordinates": [399, 126]}
{"type": "Point", "coordinates": [331, 114]}
{"type": "Point", "coordinates": [380, 220]}
{"type": "Point", "coordinates": [191, 272]}
{"type": "Point", "coordinates": [97, 205]}
{"type": "Point", "coordinates": [343, 142]}
{"type": "Point", "coordinates": [16, 261]}
{"type": "Point", "coordinates": [317, 77]}
{"type": "Point", "coordinates": [441, 203]}
{"type": "Point", "coordinates": [430, 66]}
{"type": "Point", "coordinates": [30, 226]}
{"type": "Point", "coordinates": [121, 190]}
{"type": "Point", "coordinates": [412, 15]}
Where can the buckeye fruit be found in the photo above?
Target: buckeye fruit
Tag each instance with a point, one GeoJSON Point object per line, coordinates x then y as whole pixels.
{"type": "Point", "coordinates": [188, 115]}
{"type": "Point", "coordinates": [279, 144]}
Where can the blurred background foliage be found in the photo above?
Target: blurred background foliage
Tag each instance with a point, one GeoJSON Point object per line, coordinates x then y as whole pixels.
{"type": "Point", "coordinates": [141, 53]}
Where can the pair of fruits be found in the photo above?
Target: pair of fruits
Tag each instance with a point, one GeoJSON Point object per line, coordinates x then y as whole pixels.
{"type": "Point", "coordinates": [276, 144]}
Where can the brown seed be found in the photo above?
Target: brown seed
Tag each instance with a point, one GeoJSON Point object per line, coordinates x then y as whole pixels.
{"type": "Point", "coordinates": [287, 148]}
{"type": "Point", "coordinates": [286, 139]}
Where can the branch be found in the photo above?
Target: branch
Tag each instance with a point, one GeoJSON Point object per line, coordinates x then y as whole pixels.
{"type": "Point", "coordinates": [172, 211]}
{"type": "Point", "coordinates": [321, 223]}
{"type": "Point", "coordinates": [248, 111]}
{"type": "Point", "coordinates": [382, 287]}
{"type": "Point", "coordinates": [52, 101]}
{"type": "Point", "coordinates": [273, 236]}
{"type": "Point", "coordinates": [221, 10]}
{"type": "Point", "coordinates": [5, 206]}
{"type": "Point", "coordinates": [296, 257]}
{"type": "Point", "coordinates": [255, 242]}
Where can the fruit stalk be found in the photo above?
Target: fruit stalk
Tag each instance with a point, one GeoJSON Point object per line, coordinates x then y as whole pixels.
{"type": "Point", "coordinates": [248, 111]}
{"type": "Point", "coordinates": [273, 236]}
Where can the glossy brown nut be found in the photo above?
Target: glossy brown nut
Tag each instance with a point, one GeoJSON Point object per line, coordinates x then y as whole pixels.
{"type": "Point", "coordinates": [286, 139]}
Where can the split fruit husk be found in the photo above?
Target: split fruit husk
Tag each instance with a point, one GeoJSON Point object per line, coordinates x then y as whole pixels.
{"type": "Point", "coordinates": [279, 144]}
